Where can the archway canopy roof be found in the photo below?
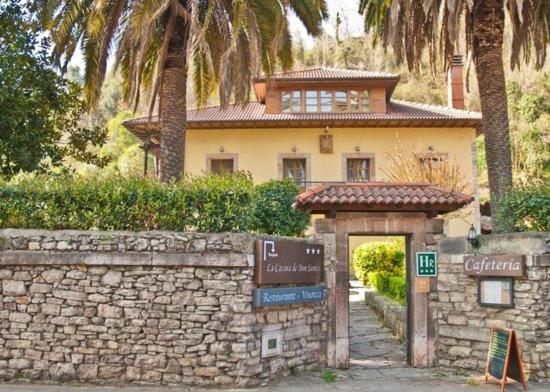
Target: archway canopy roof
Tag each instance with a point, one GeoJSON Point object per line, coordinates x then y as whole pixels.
{"type": "Point", "coordinates": [381, 196]}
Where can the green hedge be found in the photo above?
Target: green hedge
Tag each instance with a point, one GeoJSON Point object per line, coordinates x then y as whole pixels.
{"type": "Point", "coordinates": [387, 257]}
{"type": "Point", "coordinates": [206, 203]}
{"type": "Point", "coordinates": [526, 209]}
{"type": "Point", "coordinates": [394, 287]}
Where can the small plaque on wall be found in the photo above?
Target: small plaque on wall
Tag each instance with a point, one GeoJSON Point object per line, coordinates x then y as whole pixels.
{"type": "Point", "coordinates": [422, 285]}
{"type": "Point", "coordinates": [497, 292]}
{"type": "Point", "coordinates": [326, 144]}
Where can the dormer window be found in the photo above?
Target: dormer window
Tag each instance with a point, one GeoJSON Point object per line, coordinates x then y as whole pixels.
{"type": "Point", "coordinates": [325, 101]}
{"type": "Point", "coordinates": [291, 101]}
{"type": "Point", "coordinates": [312, 101]}
{"type": "Point", "coordinates": [358, 101]}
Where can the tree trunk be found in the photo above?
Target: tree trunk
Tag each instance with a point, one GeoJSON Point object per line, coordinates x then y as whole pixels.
{"type": "Point", "coordinates": [487, 50]}
{"type": "Point", "coordinates": [173, 116]}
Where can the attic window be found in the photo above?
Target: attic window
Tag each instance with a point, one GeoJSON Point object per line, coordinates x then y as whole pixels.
{"type": "Point", "coordinates": [358, 101]}
{"type": "Point", "coordinates": [312, 101]}
{"type": "Point", "coordinates": [325, 101]}
{"type": "Point", "coordinates": [341, 101]}
{"type": "Point", "coordinates": [291, 101]}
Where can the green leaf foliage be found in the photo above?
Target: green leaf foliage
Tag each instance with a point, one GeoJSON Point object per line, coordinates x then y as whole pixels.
{"type": "Point", "coordinates": [41, 111]}
{"type": "Point", "coordinates": [270, 212]}
{"type": "Point", "coordinates": [394, 287]}
{"type": "Point", "coordinates": [385, 257]}
{"type": "Point", "coordinates": [208, 203]}
{"type": "Point", "coordinates": [527, 208]}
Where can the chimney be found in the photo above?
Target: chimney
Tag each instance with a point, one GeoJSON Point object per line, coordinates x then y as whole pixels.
{"type": "Point", "coordinates": [455, 85]}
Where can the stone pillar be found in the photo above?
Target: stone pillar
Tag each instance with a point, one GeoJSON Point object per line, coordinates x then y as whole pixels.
{"type": "Point", "coordinates": [325, 231]}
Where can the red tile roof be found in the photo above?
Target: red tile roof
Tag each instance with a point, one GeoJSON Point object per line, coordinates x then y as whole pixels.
{"type": "Point", "coordinates": [381, 196]}
{"type": "Point", "coordinates": [252, 115]}
{"type": "Point", "coordinates": [329, 74]}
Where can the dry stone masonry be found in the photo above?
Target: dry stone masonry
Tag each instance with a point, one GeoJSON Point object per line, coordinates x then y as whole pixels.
{"type": "Point", "coordinates": [149, 308]}
{"type": "Point", "coordinates": [463, 325]}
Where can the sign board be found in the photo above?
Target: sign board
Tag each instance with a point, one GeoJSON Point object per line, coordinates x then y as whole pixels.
{"type": "Point", "coordinates": [503, 358]}
{"type": "Point", "coordinates": [426, 264]}
{"type": "Point", "coordinates": [422, 285]}
{"type": "Point", "coordinates": [287, 295]}
{"type": "Point", "coordinates": [497, 292]}
{"type": "Point", "coordinates": [494, 265]}
{"type": "Point", "coordinates": [284, 261]}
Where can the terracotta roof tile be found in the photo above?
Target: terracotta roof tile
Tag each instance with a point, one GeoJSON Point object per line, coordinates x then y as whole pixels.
{"type": "Point", "coordinates": [381, 196]}
{"type": "Point", "coordinates": [253, 115]}
{"type": "Point", "coordinates": [329, 74]}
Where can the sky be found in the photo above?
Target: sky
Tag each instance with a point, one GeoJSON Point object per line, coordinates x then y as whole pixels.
{"type": "Point", "coordinates": [352, 25]}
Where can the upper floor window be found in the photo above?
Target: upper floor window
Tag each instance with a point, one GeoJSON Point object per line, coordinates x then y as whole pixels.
{"type": "Point", "coordinates": [358, 169]}
{"type": "Point", "coordinates": [295, 170]}
{"type": "Point", "coordinates": [340, 101]}
{"type": "Point", "coordinates": [431, 160]}
{"type": "Point", "coordinates": [358, 101]}
{"type": "Point", "coordinates": [222, 166]}
{"type": "Point", "coordinates": [291, 101]}
{"type": "Point", "coordinates": [325, 101]}
{"type": "Point", "coordinates": [312, 101]}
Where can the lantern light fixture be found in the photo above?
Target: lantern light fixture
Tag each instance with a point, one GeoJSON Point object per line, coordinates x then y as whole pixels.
{"type": "Point", "coordinates": [472, 237]}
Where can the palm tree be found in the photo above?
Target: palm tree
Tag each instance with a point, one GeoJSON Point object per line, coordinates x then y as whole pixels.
{"type": "Point", "coordinates": [226, 42]}
{"type": "Point", "coordinates": [412, 26]}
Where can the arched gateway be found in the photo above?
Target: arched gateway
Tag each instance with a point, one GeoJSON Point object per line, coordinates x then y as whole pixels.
{"type": "Point", "coordinates": [406, 209]}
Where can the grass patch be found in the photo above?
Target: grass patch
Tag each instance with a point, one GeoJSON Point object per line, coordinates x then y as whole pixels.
{"type": "Point", "coordinates": [329, 376]}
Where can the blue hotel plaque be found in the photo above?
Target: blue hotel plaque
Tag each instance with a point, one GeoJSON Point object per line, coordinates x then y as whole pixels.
{"type": "Point", "coordinates": [288, 295]}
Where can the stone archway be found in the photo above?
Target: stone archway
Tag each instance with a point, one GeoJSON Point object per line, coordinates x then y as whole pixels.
{"type": "Point", "coordinates": [378, 209]}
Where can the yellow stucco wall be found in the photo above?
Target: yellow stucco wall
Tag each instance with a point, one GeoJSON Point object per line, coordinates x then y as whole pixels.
{"type": "Point", "coordinates": [258, 150]}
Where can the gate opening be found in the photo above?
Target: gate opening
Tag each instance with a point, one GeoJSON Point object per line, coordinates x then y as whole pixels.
{"type": "Point", "coordinates": [378, 286]}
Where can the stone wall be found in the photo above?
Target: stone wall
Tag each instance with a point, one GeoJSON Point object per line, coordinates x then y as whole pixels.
{"type": "Point", "coordinates": [148, 308]}
{"type": "Point", "coordinates": [392, 313]}
{"type": "Point", "coordinates": [463, 325]}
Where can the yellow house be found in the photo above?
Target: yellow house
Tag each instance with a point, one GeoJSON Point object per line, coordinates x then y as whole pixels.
{"type": "Point", "coordinates": [327, 125]}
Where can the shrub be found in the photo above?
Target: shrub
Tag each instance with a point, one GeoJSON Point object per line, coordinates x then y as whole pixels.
{"type": "Point", "coordinates": [385, 257]}
{"type": "Point", "coordinates": [394, 287]}
{"type": "Point", "coordinates": [207, 203]}
{"type": "Point", "coordinates": [397, 288]}
{"type": "Point", "coordinates": [271, 214]}
{"type": "Point", "coordinates": [526, 209]}
{"type": "Point", "coordinates": [406, 165]}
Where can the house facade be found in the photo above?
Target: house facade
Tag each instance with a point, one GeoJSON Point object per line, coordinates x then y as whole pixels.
{"type": "Point", "coordinates": [328, 125]}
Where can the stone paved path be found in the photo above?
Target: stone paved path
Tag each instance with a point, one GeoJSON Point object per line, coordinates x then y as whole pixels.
{"type": "Point", "coordinates": [371, 343]}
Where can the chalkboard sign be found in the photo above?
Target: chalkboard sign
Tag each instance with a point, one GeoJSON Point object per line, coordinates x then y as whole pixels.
{"type": "Point", "coordinates": [503, 359]}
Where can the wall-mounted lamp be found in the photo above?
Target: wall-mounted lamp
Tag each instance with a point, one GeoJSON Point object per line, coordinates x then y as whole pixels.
{"type": "Point", "coordinates": [327, 129]}
{"type": "Point", "coordinates": [221, 149]}
{"type": "Point", "coordinates": [357, 148]}
{"type": "Point", "coordinates": [472, 237]}
{"type": "Point", "coordinates": [293, 149]}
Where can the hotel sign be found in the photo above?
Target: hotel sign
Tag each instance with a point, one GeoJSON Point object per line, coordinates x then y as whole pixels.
{"type": "Point", "coordinates": [494, 265]}
{"type": "Point", "coordinates": [283, 261]}
{"type": "Point", "coordinates": [288, 295]}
